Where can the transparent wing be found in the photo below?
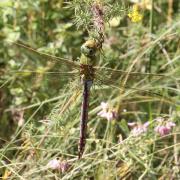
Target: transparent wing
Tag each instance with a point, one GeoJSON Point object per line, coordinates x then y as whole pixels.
{"type": "Point", "coordinates": [74, 65]}
{"type": "Point", "coordinates": [45, 55]}
{"type": "Point", "coordinates": [141, 86]}
{"type": "Point", "coordinates": [105, 75]}
{"type": "Point", "coordinates": [114, 73]}
{"type": "Point", "coordinates": [34, 64]}
{"type": "Point", "coordinates": [138, 80]}
{"type": "Point", "coordinates": [31, 77]}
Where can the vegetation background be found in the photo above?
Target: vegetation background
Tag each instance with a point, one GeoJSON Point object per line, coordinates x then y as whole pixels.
{"type": "Point", "coordinates": [40, 112]}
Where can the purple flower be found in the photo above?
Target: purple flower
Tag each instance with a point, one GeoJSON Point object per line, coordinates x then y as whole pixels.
{"type": "Point", "coordinates": [164, 129]}
{"type": "Point", "coordinates": [106, 112]}
{"type": "Point", "coordinates": [138, 129]}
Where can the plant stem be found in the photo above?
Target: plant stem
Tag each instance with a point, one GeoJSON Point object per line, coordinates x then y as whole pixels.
{"type": "Point", "coordinates": [151, 32]}
{"type": "Point", "coordinates": [151, 54]}
{"type": "Point", "coordinates": [170, 11]}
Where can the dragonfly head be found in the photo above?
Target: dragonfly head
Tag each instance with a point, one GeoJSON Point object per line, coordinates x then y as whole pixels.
{"type": "Point", "coordinates": [89, 48]}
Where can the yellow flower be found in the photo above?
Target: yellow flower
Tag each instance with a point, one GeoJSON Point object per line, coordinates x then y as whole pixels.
{"type": "Point", "coordinates": [135, 15]}
{"type": "Point", "coordinates": [6, 175]}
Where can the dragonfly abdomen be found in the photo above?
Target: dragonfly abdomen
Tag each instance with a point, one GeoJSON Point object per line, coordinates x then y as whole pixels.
{"type": "Point", "coordinates": [84, 116]}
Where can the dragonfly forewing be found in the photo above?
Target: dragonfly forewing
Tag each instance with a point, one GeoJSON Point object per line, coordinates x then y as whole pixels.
{"type": "Point", "coordinates": [46, 55]}
{"type": "Point", "coordinates": [105, 75]}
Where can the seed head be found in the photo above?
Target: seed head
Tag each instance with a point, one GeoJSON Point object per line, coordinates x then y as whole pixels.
{"type": "Point", "coordinates": [98, 16]}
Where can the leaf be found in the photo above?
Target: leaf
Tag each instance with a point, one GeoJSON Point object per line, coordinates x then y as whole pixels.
{"type": "Point", "coordinates": [6, 3]}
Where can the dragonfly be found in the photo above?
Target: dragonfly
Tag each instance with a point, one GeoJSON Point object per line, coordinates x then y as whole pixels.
{"type": "Point", "coordinates": [88, 72]}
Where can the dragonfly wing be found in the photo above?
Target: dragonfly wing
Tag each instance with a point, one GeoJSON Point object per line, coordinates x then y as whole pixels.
{"type": "Point", "coordinates": [145, 87]}
{"type": "Point", "coordinates": [30, 50]}
{"type": "Point", "coordinates": [30, 82]}
{"type": "Point", "coordinates": [33, 76]}
{"type": "Point", "coordinates": [127, 77]}
{"type": "Point", "coordinates": [33, 64]}
{"type": "Point", "coordinates": [36, 77]}
{"type": "Point", "coordinates": [117, 72]}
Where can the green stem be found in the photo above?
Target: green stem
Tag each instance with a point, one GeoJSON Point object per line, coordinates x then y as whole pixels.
{"type": "Point", "coordinates": [151, 16]}
{"type": "Point", "coordinates": [151, 31]}
{"type": "Point", "coordinates": [151, 53]}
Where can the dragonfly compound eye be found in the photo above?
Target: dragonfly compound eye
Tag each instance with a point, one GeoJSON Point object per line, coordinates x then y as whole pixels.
{"type": "Point", "coordinates": [89, 48]}
{"type": "Point", "coordinates": [87, 51]}
{"type": "Point", "coordinates": [92, 52]}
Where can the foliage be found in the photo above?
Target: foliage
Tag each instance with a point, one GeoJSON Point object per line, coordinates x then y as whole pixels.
{"type": "Point", "coordinates": [40, 97]}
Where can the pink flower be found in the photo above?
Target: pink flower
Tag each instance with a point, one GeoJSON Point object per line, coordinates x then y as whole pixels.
{"type": "Point", "coordinates": [107, 112]}
{"type": "Point", "coordinates": [159, 119]}
{"type": "Point", "coordinates": [164, 129]}
{"type": "Point", "coordinates": [170, 124]}
{"type": "Point", "coordinates": [56, 164]}
{"type": "Point", "coordinates": [104, 105]}
{"type": "Point", "coordinates": [138, 128]}
{"type": "Point", "coordinates": [64, 166]}
{"type": "Point", "coordinates": [18, 117]}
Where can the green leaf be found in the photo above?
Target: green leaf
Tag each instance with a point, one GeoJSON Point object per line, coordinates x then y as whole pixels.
{"type": "Point", "coordinates": [6, 3]}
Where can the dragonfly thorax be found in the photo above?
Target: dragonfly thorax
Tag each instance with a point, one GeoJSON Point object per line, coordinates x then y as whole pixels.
{"type": "Point", "coordinates": [88, 60]}
{"type": "Point", "coordinates": [86, 72]}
